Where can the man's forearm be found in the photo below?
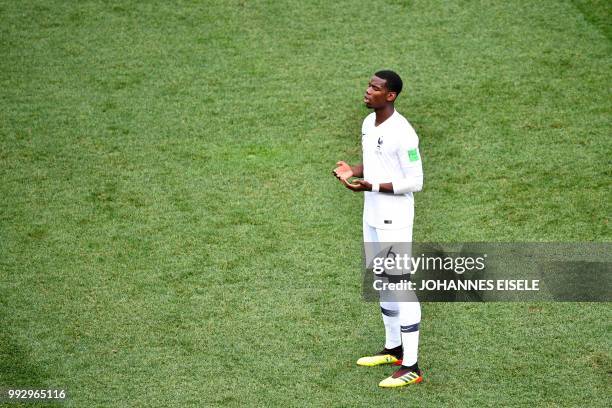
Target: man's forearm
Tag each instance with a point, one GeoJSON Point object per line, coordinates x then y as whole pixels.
{"type": "Point", "coordinates": [357, 170]}
{"type": "Point", "coordinates": [386, 188]}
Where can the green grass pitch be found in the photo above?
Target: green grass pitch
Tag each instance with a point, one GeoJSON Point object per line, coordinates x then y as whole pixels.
{"type": "Point", "coordinates": [171, 235]}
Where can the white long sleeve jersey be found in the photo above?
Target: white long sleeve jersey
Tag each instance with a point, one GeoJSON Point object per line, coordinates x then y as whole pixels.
{"type": "Point", "coordinates": [391, 154]}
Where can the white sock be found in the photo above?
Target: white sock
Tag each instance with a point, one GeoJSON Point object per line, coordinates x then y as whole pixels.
{"type": "Point", "coordinates": [410, 319]}
{"type": "Point", "coordinates": [390, 315]}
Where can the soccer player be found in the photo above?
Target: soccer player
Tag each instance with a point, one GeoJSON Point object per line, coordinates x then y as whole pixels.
{"type": "Point", "coordinates": [389, 175]}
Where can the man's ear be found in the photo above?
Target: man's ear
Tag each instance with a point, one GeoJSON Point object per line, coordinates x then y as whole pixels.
{"type": "Point", "coordinates": [391, 96]}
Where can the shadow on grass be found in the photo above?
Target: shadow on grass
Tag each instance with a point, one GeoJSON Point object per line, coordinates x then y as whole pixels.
{"type": "Point", "coordinates": [597, 13]}
{"type": "Point", "coordinates": [16, 370]}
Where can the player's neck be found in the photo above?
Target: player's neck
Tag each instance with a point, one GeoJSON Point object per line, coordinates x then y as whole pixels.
{"type": "Point", "coordinates": [383, 114]}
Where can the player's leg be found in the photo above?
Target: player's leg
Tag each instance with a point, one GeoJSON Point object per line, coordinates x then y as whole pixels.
{"type": "Point", "coordinates": [409, 316]}
{"type": "Point", "coordinates": [392, 351]}
{"type": "Point", "coordinates": [391, 318]}
{"type": "Point", "coordinates": [409, 372]}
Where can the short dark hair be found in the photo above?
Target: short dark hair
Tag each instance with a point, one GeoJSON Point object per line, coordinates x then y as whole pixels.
{"type": "Point", "coordinates": [394, 82]}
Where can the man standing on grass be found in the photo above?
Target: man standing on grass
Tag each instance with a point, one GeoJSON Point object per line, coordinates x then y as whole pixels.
{"type": "Point", "coordinates": [389, 175]}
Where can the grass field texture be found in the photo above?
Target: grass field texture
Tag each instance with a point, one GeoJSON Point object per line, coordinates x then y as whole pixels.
{"type": "Point", "coordinates": [171, 234]}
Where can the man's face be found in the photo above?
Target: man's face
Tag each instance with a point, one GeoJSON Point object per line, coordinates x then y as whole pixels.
{"type": "Point", "coordinates": [377, 95]}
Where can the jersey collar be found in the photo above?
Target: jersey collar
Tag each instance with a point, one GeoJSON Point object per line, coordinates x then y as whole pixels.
{"type": "Point", "coordinates": [386, 120]}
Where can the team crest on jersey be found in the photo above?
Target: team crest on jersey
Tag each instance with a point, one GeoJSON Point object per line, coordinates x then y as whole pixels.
{"type": "Point", "coordinates": [380, 142]}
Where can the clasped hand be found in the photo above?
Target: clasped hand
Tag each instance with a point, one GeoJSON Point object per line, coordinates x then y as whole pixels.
{"type": "Point", "coordinates": [344, 172]}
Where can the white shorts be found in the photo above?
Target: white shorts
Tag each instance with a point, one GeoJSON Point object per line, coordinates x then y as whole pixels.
{"type": "Point", "coordinates": [383, 243]}
{"type": "Point", "coordinates": [371, 234]}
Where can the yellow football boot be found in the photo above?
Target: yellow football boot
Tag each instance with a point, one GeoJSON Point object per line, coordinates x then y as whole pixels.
{"type": "Point", "coordinates": [403, 376]}
{"type": "Point", "coordinates": [384, 357]}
